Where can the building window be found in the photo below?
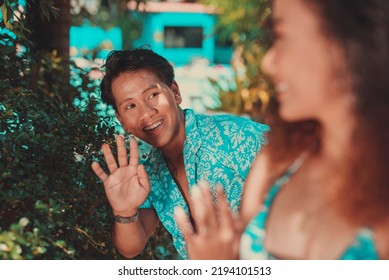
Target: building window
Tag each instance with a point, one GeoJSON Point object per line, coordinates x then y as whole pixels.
{"type": "Point", "coordinates": [183, 37]}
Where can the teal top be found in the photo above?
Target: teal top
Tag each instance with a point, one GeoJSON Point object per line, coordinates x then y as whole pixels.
{"type": "Point", "coordinates": [253, 237]}
{"type": "Point", "coordinates": [218, 149]}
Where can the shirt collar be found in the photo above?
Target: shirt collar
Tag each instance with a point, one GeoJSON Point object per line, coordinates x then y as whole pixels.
{"type": "Point", "coordinates": [192, 142]}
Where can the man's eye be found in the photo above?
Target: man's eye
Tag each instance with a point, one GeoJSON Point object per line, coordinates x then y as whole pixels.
{"type": "Point", "coordinates": [153, 95]}
{"type": "Point", "coordinates": [130, 106]}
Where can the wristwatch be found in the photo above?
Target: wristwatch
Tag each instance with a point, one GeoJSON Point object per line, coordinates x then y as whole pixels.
{"type": "Point", "coordinates": [127, 220]}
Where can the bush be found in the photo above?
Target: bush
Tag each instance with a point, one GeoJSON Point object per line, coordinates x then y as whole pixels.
{"type": "Point", "coordinates": [52, 205]}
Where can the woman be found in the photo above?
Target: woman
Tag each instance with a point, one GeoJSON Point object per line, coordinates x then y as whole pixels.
{"type": "Point", "coordinates": [320, 188]}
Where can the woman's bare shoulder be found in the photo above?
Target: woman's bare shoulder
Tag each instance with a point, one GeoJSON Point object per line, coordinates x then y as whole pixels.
{"type": "Point", "coordinates": [382, 239]}
{"type": "Point", "coordinates": [262, 175]}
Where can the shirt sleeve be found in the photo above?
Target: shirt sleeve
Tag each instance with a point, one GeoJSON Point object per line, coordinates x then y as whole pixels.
{"type": "Point", "coordinates": [146, 204]}
{"type": "Point", "coordinates": [247, 138]}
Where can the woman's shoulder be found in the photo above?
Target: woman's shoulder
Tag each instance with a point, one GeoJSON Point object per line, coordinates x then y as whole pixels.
{"type": "Point", "coordinates": [381, 233]}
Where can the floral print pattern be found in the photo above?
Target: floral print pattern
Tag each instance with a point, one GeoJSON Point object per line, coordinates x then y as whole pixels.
{"type": "Point", "coordinates": [218, 149]}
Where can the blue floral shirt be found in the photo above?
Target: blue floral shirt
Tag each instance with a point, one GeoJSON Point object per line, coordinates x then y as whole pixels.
{"type": "Point", "coordinates": [218, 149]}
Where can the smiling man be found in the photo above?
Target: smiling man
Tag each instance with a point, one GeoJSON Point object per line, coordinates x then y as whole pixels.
{"type": "Point", "coordinates": [187, 148]}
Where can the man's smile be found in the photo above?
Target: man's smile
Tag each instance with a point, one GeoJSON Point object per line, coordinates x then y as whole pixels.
{"type": "Point", "coordinates": [153, 126]}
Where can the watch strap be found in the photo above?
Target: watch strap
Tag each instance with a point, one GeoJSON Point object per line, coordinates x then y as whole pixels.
{"type": "Point", "coordinates": [127, 220]}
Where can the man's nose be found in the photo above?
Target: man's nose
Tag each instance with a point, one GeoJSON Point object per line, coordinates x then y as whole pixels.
{"type": "Point", "coordinates": [147, 111]}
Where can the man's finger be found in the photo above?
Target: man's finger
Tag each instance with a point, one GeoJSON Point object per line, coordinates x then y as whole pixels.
{"type": "Point", "coordinates": [109, 158]}
{"type": "Point", "coordinates": [143, 177]}
{"type": "Point", "coordinates": [134, 153]}
{"type": "Point", "coordinates": [122, 152]}
{"type": "Point", "coordinates": [99, 171]}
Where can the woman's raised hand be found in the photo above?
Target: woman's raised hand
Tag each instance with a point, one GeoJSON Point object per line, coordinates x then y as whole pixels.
{"type": "Point", "coordinates": [218, 232]}
{"type": "Point", "coordinates": [127, 186]}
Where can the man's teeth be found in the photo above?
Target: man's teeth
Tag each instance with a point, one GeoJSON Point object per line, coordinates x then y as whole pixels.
{"type": "Point", "coordinates": [153, 126]}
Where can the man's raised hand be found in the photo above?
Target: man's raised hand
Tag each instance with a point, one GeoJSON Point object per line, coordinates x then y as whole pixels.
{"type": "Point", "coordinates": [127, 184]}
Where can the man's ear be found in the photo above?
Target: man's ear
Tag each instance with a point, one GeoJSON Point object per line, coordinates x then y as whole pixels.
{"type": "Point", "coordinates": [176, 92]}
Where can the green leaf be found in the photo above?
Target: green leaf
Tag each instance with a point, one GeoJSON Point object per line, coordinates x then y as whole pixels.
{"type": "Point", "coordinates": [5, 11]}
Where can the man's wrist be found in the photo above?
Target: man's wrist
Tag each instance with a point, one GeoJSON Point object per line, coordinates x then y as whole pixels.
{"type": "Point", "coordinates": [126, 213]}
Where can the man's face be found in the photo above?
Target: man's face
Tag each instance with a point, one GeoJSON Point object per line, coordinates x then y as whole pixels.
{"type": "Point", "coordinates": [148, 108]}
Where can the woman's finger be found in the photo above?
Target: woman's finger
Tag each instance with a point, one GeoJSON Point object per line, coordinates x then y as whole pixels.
{"type": "Point", "coordinates": [199, 211]}
{"type": "Point", "coordinates": [209, 205]}
{"type": "Point", "coordinates": [224, 212]}
{"type": "Point", "coordinates": [183, 223]}
{"type": "Point", "coordinates": [122, 152]}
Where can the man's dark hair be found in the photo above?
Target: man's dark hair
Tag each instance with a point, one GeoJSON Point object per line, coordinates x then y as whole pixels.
{"type": "Point", "coordinates": [127, 61]}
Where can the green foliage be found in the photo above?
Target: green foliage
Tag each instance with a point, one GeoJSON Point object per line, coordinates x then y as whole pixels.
{"type": "Point", "coordinates": [12, 19]}
{"type": "Point", "coordinates": [240, 21]}
{"type": "Point", "coordinates": [52, 206]}
{"type": "Point", "coordinates": [245, 24]}
{"type": "Point", "coordinates": [46, 149]}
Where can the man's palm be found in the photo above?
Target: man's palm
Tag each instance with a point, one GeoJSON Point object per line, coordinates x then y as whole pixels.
{"type": "Point", "coordinates": [127, 186]}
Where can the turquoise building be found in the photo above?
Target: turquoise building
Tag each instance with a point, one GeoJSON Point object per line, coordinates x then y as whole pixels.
{"type": "Point", "coordinates": [88, 41]}
{"type": "Point", "coordinates": [181, 32]}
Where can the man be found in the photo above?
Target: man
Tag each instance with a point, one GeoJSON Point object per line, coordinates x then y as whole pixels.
{"type": "Point", "coordinates": [187, 148]}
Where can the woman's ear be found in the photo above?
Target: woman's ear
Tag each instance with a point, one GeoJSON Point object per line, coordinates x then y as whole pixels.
{"type": "Point", "coordinates": [176, 92]}
{"type": "Point", "coordinates": [342, 81]}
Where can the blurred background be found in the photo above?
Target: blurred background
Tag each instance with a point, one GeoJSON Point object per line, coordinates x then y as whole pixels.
{"type": "Point", "coordinates": [53, 122]}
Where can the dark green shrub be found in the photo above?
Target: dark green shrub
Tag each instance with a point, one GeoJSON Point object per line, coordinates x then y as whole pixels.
{"type": "Point", "coordinates": [46, 147]}
{"type": "Point", "coordinates": [52, 206]}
